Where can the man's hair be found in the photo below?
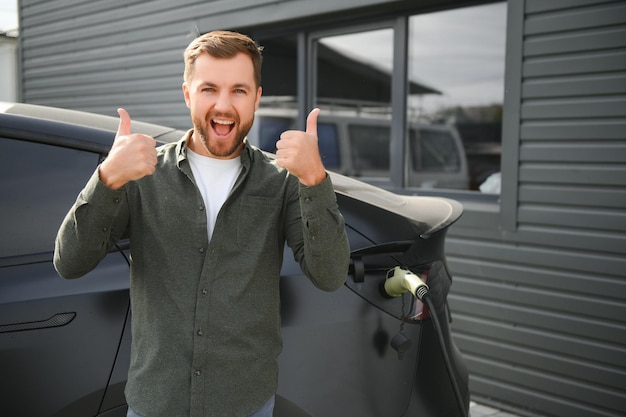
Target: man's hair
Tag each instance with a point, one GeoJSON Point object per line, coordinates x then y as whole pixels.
{"type": "Point", "coordinates": [223, 44]}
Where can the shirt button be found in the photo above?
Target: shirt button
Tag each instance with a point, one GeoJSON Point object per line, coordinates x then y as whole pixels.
{"type": "Point", "coordinates": [104, 229]}
{"type": "Point", "coordinates": [200, 332]}
{"type": "Point", "coordinates": [201, 250]}
{"type": "Point", "coordinates": [307, 200]}
{"type": "Point", "coordinates": [117, 200]}
{"type": "Point", "coordinates": [197, 372]}
{"type": "Point", "coordinates": [201, 207]}
{"type": "Point", "coordinates": [205, 291]}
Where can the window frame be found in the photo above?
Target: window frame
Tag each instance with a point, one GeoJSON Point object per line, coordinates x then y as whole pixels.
{"type": "Point", "coordinates": [398, 171]}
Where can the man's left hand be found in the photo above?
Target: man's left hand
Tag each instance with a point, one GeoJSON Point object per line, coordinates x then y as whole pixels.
{"type": "Point", "coordinates": [298, 152]}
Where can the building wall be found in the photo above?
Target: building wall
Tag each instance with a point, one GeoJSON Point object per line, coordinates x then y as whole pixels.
{"type": "Point", "coordinates": [539, 297]}
{"type": "Point", "coordinates": [8, 68]}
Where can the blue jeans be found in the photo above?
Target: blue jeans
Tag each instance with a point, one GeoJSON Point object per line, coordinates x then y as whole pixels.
{"type": "Point", "coordinates": [266, 411]}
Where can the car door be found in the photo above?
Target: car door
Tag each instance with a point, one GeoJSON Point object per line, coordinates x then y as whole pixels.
{"type": "Point", "coordinates": [58, 338]}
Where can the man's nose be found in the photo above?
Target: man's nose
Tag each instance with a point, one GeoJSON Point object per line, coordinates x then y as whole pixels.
{"type": "Point", "coordinates": [223, 101]}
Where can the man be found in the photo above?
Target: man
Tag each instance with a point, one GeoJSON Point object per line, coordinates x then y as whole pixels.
{"type": "Point", "coordinates": [207, 219]}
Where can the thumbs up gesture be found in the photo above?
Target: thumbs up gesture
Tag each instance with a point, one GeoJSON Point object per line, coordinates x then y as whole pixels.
{"type": "Point", "coordinates": [133, 156]}
{"type": "Point", "coordinates": [298, 152]}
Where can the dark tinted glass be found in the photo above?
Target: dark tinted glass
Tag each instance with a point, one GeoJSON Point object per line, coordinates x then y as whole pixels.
{"type": "Point", "coordinates": [329, 145]}
{"type": "Point", "coordinates": [370, 147]}
{"type": "Point", "coordinates": [436, 151]}
{"type": "Point", "coordinates": [38, 185]}
{"type": "Point", "coordinates": [270, 130]}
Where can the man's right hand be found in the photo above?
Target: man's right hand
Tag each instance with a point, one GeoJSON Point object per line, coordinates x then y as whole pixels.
{"type": "Point", "coordinates": [133, 156]}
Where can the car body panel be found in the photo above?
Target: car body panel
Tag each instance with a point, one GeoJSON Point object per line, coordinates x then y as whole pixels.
{"type": "Point", "coordinates": [37, 343]}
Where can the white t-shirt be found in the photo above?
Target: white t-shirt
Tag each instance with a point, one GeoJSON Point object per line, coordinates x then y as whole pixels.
{"type": "Point", "coordinates": [215, 179]}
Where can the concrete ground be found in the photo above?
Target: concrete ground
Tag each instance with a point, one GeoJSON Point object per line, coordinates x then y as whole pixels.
{"type": "Point", "coordinates": [480, 410]}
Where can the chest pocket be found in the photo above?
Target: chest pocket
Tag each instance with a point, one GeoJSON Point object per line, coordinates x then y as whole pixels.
{"type": "Point", "coordinates": [258, 222]}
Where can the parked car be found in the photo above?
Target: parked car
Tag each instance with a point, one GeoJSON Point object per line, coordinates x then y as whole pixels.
{"type": "Point", "coordinates": [64, 344]}
{"type": "Point", "coordinates": [355, 142]}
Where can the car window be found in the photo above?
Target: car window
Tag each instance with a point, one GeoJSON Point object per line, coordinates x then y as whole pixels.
{"type": "Point", "coordinates": [370, 148]}
{"type": "Point", "coordinates": [38, 185]}
{"type": "Point", "coordinates": [329, 145]}
{"type": "Point", "coordinates": [434, 151]}
{"type": "Point", "coordinates": [270, 129]}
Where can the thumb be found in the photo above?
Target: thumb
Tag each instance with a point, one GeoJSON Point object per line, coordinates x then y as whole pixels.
{"type": "Point", "coordinates": [124, 126]}
{"type": "Point", "coordinates": [311, 122]}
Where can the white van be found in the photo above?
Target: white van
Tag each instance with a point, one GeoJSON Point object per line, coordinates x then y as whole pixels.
{"type": "Point", "coordinates": [357, 145]}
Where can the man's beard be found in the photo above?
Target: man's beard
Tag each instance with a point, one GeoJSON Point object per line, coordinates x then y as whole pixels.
{"type": "Point", "coordinates": [201, 129]}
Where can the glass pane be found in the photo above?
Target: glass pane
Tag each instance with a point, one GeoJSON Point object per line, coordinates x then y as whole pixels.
{"type": "Point", "coordinates": [370, 150]}
{"type": "Point", "coordinates": [456, 70]}
{"type": "Point", "coordinates": [328, 142]}
{"type": "Point", "coordinates": [38, 183]}
{"type": "Point", "coordinates": [278, 110]}
{"type": "Point", "coordinates": [434, 151]}
{"type": "Point", "coordinates": [279, 74]}
{"type": "Point", "coordinates": [348, 77]}
{"type": "Point", "coordinates": [354, 94]}
{"type": "Point", "coordinates": [270, 129]}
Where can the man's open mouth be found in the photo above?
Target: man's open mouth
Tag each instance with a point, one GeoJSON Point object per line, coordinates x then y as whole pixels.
{"type": "Point", "coordinates": [222, 127]}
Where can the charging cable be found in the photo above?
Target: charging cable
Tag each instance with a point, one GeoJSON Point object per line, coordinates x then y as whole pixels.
{"type": "Point", "coordinates": [400, 281]}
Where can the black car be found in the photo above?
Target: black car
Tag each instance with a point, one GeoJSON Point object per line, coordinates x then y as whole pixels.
{"type": "Point", "coordinates": [361, 351]}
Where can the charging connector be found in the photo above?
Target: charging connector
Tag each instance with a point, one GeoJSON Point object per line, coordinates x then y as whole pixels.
{"type": "Point", "coordinates": [400, 281]}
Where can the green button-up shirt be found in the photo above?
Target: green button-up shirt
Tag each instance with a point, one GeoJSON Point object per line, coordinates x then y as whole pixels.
{"type": "Point", "coordinates": [206, 318]}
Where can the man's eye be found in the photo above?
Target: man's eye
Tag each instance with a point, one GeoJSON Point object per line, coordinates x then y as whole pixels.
{"type": "Point", "coordinates": [240, 91]}
{"type": "Point", "coordinates": [208, 90]}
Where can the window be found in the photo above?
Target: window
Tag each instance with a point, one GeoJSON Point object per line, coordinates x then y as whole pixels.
{"type": "Point", "coordinates": [270, 130]}
{"type": "Point", "coordinates": [328, 143]}
{"type": "Point", "coordinates": [348, 79]}
{"type": "Point", "coordinates": [354, 91]}
{"type": "Point", "coordinates": [462, 64]}
{"type": "Point", "coordinates": [369, 149]}
{"type": "Point", "coordinates": [38, 184]}
{"type": "Point", "coordinates": [435, 152]}
{"type": "Point", "coordinates": [454, 94]}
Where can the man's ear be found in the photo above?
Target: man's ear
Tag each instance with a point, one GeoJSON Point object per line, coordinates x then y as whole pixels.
{"type": "Point", "coordinates": [186, 94]}
{"type": "Point", "coordinates": [258, 98]}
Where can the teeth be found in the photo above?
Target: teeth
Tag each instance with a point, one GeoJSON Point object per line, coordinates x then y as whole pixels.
{"type": "Point", "coordinates": [222, 122]}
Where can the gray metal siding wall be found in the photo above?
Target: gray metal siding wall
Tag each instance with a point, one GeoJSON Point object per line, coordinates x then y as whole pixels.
{"type": "Point", "coordinates": [98, 55]}
{"type": "Point", "coordinates": [540, 308]}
